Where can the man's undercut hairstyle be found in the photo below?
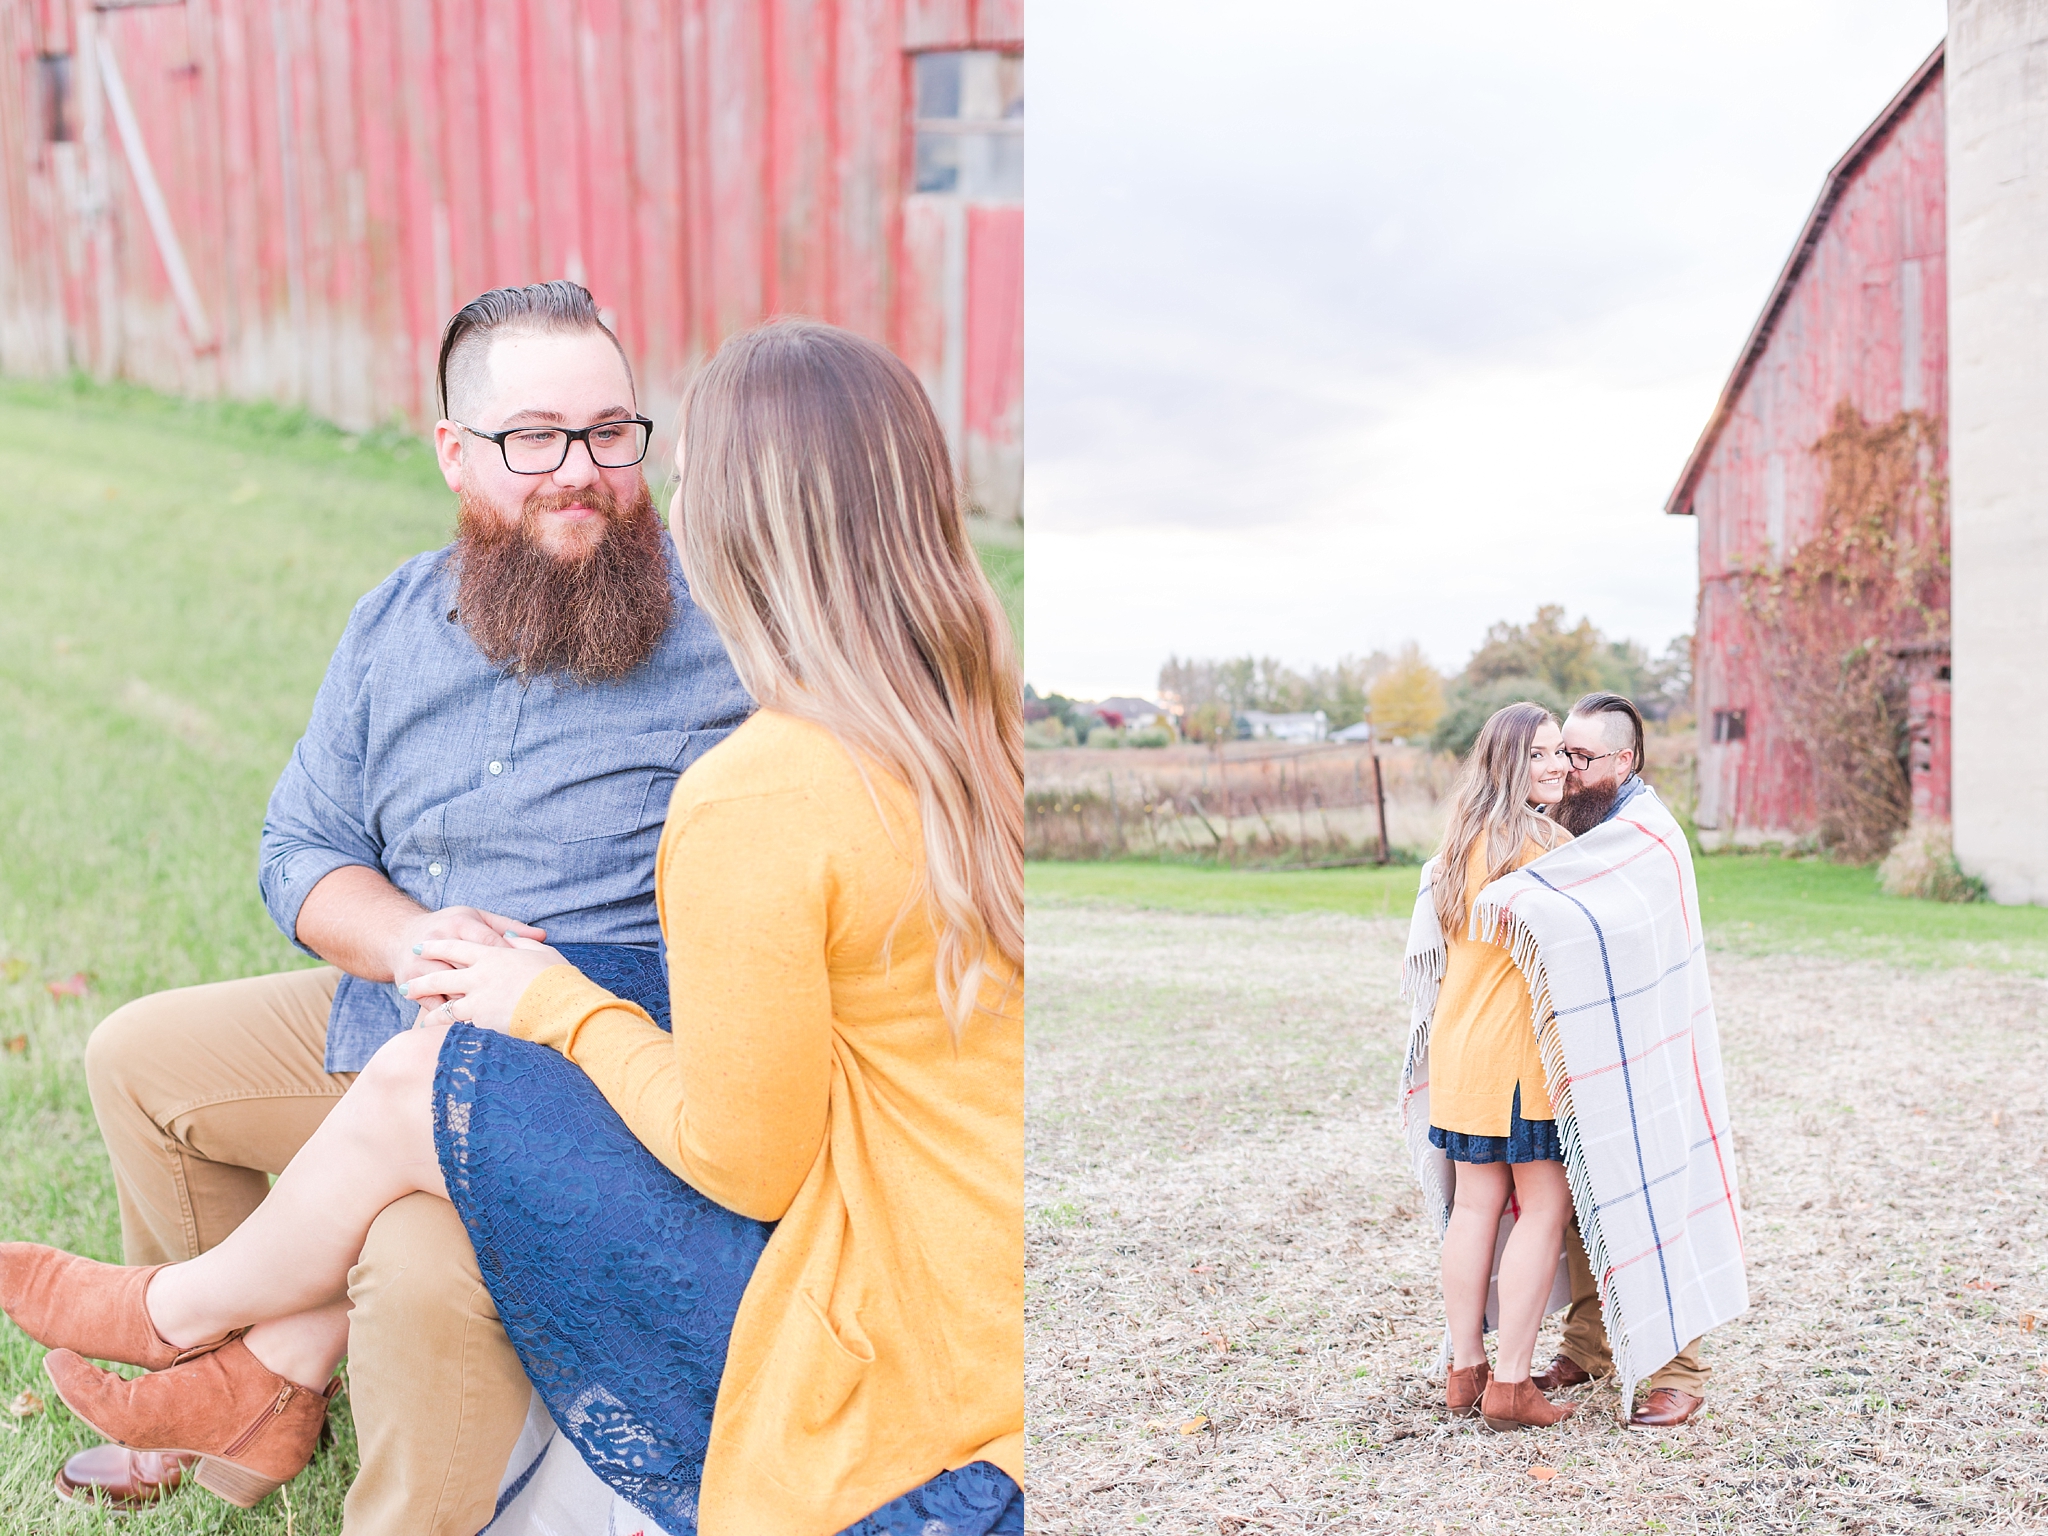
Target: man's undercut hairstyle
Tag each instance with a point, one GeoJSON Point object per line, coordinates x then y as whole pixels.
{"type": "Point", "coordinates": [1615, 704]}
{"type": "Point", "coordinates": [538, 309]}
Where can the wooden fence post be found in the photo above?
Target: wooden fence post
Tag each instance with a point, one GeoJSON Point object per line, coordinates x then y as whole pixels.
{"type": "Point", "coordinates": [1379, 790]}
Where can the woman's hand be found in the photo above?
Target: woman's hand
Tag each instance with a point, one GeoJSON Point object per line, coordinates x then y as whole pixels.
{"type": "Point", "coordinates": [486, 983]}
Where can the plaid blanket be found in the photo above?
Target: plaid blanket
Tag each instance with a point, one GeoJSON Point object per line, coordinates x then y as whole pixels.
{"type": "Point", "coordinates": [1607, 932]}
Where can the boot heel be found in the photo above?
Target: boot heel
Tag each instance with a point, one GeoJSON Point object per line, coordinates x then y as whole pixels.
{"type": "Point", "coordinates": [238, 1485]}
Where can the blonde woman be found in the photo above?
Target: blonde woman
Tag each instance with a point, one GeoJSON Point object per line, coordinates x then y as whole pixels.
{"type": "Point", "coordinates": [1489, 1111]}
{"type": "Point", "coordinates": [840, 885]}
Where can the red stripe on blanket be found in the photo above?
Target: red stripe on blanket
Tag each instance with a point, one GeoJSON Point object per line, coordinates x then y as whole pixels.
{"type": "Point", "coordinates": [1647, 1253]}
{"type": "Point", "coordinates": [1676, 868]}
{"type": "Point", "coordinates": [1655, 1045]}
{"type": "Point", "coordinates": [1720, 1167]}
{"type": "Point", "coordinates": [1683, 911]}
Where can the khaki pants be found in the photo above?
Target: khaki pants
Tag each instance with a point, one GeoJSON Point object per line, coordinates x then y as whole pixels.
{"type": "Point", "coordinates": [205, 1092]}
{"type": "Point", "coordinates": [1585, 1331]}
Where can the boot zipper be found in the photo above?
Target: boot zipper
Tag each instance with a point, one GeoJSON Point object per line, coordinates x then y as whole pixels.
{"type": "Point", "coordinates": [283, 1397]}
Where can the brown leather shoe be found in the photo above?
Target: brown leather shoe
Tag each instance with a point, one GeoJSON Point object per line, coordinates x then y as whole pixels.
{"type": "Point", "coordinates": [251, 1429]}
{"type": "Point", "coordinates": [1518, 1405]}
{"type": "Point", "coordinates": [65, 1302]}
{"type": "Point", "coordinates": [114, 1476]}
{"type": "Point", "coordinates": [1665, 1408]}
{"type": "Point", "coordinates": [1563, 1371]}
{"type": "Point", "coordinates": [1463, 1389]}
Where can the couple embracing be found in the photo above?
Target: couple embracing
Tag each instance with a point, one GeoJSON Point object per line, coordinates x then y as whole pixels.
{"type": "Point", "coordinates": [1562, 1096]}
{"type": "Point", "coordinates": [666, 1071]}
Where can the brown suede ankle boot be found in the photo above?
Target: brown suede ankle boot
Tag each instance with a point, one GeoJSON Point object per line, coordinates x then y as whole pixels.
{"type": "Point", "coordinates": [1463, 1389]}
{"type": "Point", "coordinates": [1519, 1405]}
{"type": "Point", "coordinates": [65, 1302]}
{"type": "Point", "coordinates": [252, 1429]}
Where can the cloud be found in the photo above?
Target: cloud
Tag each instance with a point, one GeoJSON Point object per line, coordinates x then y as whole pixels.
{"type": "Point", "coordinates": [1352, 322]}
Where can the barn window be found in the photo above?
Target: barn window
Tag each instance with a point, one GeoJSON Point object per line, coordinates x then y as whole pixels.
{"type": "Point", "coordinates": [1731, 725]}
{"type": "Point", "coordinates": [54, 71]}
{"type": "Point", "coordinates": [970, 124]}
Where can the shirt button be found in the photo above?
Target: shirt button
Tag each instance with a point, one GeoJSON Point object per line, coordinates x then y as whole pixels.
{"type": "Point", "coordinates": [497, 767]}
{"type": "Point", "coordinates": [434, 869]}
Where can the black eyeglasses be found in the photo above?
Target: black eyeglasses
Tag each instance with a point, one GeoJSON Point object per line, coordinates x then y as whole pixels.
{"type": "Point", "coordinates": [1584, 760]}
{"type": "Point", "coordinates": [616, 444]}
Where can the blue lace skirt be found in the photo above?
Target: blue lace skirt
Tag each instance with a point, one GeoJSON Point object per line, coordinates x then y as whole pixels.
{"type": "Point", "coordinates": [1527, 1141]}
{"type": "Point", "coordinates": [618, 1283]}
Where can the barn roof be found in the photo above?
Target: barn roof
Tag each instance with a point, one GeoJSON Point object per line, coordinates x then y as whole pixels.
{"type": "Point", "coordinates": [1680, 499]}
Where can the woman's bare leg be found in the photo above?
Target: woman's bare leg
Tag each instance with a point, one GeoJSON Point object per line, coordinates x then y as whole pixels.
{"type": "Point", "coordinates": [285, 1268]}
{"type": "Point", "coordinates": [1528, 1266]}
{"type": "Point", "coordinates": [1476, 1204]}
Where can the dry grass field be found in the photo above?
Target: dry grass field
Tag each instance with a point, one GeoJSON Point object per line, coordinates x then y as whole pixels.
{"type": "Point", "coordinates": [1233, 1320]}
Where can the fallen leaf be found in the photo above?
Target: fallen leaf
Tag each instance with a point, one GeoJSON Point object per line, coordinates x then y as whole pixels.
{"type": "Point", "coordinates": [18, 1045]}
{"type": "Point", "coordinates": [74, 985]}
{"type": "Point", "coordinates": [1203, 1269]}
{"type": "Point", "coordinates": [1220, 1340]}
{"type": "Point", "coordinates": [13, 969]}
{"type": "Point", "coordinates": [1997, 1116]}
{"type": "Point", "coordinates": [1195, 1425]}
{"type": "Point", "coordinates": [1543, 1474]}
{"type": "Point", "coordinates": [2027, 1323]}
{"type": "Point", "coordinates": [26, 1406]}
{"type": "Point", "coordinates": [1984, 1285]}
{"type": "Point", "coordinates": [1155, 1423]}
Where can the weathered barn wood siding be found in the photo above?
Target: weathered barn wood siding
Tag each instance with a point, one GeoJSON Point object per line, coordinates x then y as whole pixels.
{"type": "Point", "coordinates": [1861, 313]}
{"type": "Point", "coordinates": [341, 174]}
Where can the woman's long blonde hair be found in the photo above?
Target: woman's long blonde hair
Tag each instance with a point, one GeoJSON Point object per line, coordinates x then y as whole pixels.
{"type": "Point", "coordinates": [822, 531]}
{"type": "Point", "coordinates": [1492, 800]}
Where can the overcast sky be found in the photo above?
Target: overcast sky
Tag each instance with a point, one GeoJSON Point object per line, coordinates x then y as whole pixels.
{"type": "Point", "coordinates": [1349, 323]}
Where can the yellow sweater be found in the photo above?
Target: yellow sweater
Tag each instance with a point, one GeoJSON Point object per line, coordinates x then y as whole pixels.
{"type": "Point", "coordinates": [1482, 1043]}
{"type": "Point", "coordinates": [813, 1083]}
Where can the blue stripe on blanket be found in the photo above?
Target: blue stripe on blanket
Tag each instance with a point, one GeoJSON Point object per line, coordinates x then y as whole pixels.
{"type": "Point", "coordinates": [1628, 1087]}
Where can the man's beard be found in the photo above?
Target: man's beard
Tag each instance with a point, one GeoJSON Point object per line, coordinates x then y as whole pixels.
{"type": "Point", "coordinates": [1580, 811]}
{"type": "Point", "coordinates": [595, 611]}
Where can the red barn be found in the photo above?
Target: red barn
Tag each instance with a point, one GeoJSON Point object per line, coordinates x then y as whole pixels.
{"type": "Point", "coordinates": [1858, 315]}
{"type": "Point", "coordinates": [286, 199]}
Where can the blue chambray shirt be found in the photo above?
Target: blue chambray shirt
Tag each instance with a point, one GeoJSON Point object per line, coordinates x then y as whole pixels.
{"type": "Point", "coordinates": [1632, 787]}
{"type": "Point", "coordinates": [541, 799]}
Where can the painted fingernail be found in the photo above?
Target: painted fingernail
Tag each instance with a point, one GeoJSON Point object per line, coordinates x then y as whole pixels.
{"type": "Point", "coordinates": [510, 934]}
{"type": "Point", "coordinates": [405, 988]}
{"type": "Point", "coordinates": [419, 948]}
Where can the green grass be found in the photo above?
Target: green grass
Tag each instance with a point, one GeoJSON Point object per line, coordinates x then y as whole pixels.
{"type": "Point", "coordinates": [173, 578]}
{"type": "Point", "coordinates": [1752, 903]}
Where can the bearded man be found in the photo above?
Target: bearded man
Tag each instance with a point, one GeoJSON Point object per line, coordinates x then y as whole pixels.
{"type": "Point", "coordinates": [1603, 735]}
{"type": "Point", "coordinates": [491, 752]}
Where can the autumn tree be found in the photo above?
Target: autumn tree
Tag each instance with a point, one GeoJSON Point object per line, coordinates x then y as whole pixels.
{"type": "Point", "coordinates": [1407, 696]}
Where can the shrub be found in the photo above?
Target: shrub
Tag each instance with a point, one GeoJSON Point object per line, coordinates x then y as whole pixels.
{"type": "Point", "coordinates": [1471, 707]}
{"type": "Point", "coordinates": [1048, 731]}
{"type": "Point", "coordinates": [1922, 863]}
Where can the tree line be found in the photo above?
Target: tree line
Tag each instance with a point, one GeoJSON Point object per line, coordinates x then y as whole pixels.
{"type": "Point", "coordinates": [1546, 660]}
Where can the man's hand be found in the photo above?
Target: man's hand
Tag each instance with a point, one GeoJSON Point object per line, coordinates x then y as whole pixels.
{"type": "Point", "coordinates": [360, 921]}
{"type": "Point", "coordinates": [469, 924]}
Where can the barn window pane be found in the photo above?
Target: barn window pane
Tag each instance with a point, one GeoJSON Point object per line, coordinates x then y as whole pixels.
{"type": "Point", "coordinates": [1731, 725]}
{"type": "Point", "coordinates": [54, 70]}
{"type": "Point", "coordinates": [970, 124]}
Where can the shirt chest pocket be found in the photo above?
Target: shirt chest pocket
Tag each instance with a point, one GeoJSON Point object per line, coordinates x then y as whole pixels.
{"type": "Point", "coordinates": [610, 788]}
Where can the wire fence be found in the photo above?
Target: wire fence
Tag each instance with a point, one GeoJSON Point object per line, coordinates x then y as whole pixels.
{"type": "Point", "coordinates": [1249, 805]}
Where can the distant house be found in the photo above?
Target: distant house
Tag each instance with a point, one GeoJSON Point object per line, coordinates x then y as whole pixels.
{"type": "Point", "coordinates": [1353, 734]}
{"type": "Point", "coordinates": [1313, 725]}
{"type": "Point", "coordinates": [1136, 714]}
